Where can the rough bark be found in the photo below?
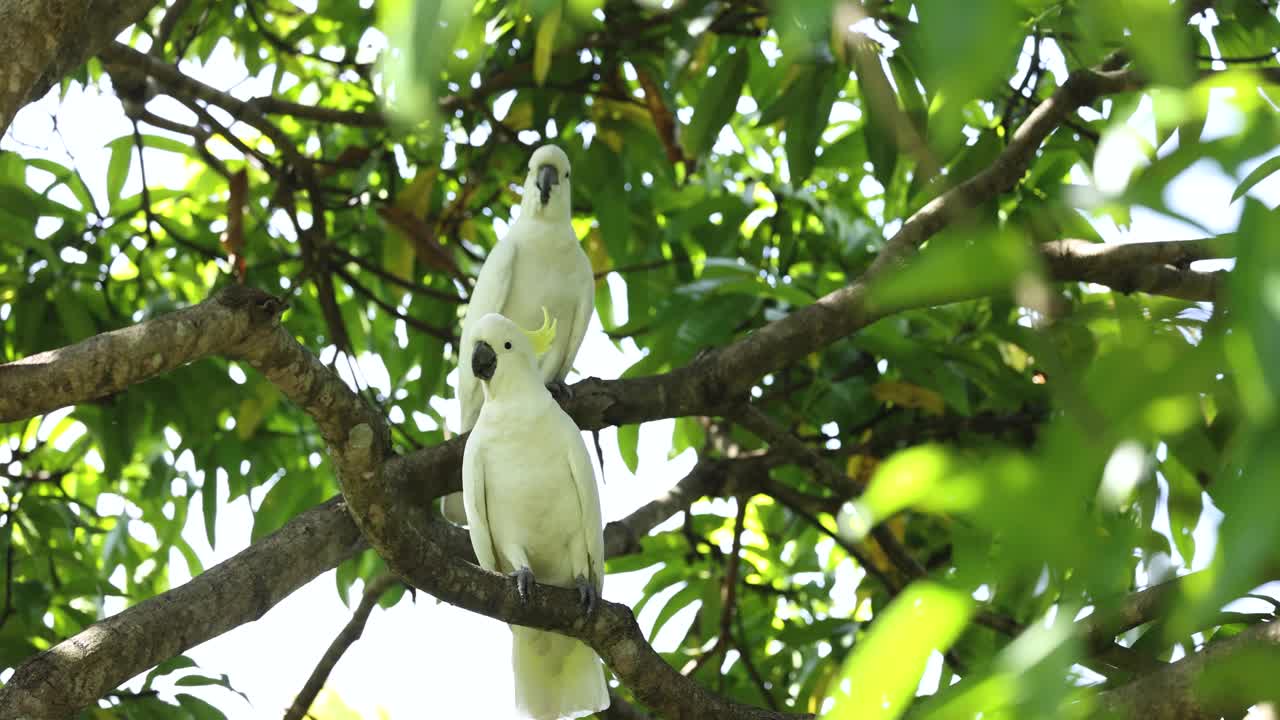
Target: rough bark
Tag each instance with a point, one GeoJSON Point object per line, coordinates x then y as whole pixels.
{"type": "Point", "coordinates": [66, 678]}
{"type": "Point", "coordinates": [106, 364]}
{"type": "Point", "coordinates": [1158, 268]}
{"type": "Point", "coordinates": [1110, 619]}
{"type": "Point", "coordinates": [75, 672]}
{"type": "Point", "coordinates": [1175, 692]}
{"type": "Point", "coordinates": [44, 40]}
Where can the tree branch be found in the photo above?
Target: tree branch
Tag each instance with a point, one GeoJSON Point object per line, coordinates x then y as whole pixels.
{"type": "Point", "coordinates": [63, 679]}
{"type": "Point", "coordinates": [175, 81]}
{"type": "Point", "coordinates": [44, 41]}
{"type": "Point", "coordinates": [1082, 88]}
{"type": "Point", "coordinates": [1174, 691]}
{"type": "Point", "coordinates": [106, 364]}
{"type": "Point", "coordinates": [771, 432]}
{"type": "Point", "coordinates": [77, 671]}
{"type": "Point", "coordinates": [352, 632]}
{"type": "Point", "coordinates": [1158, 268]}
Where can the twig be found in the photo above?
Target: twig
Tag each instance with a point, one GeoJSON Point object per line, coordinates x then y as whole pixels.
{"type": "Point", "coordinates": [409, 320]}
{"type": "Point", "coordinates": [728, 591]}
{"type": "Point", "coordinates": [768, 430]}
{"type": "Point", "coordinates": [880, 574]}
{"type": "Point", "coordinates": [744, 651]}
{"type": "Point", "coordinates": [413, 287]}
{"type": "Point", "coordinates": [344, 640]}
{"type": "Point", "coordinates": [283, 46]}
{"type": "Point", "coordinates": [171, 18]}
{"type": "Point", "coordinates": [148, 215]}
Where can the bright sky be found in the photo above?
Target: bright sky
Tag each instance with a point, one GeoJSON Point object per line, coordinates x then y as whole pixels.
{"type": "Point", "coordinates": [429, 659]}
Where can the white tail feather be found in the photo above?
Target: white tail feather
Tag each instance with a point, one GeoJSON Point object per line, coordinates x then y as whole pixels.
{"type": "Point", "coordinates": [556, 676]}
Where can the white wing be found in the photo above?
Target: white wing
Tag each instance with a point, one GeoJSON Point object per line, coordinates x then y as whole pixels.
{"type": "Point", "coordinates": [584, 479]}
{"type": "Point", "coordinates": [488, 296]}
{"type": "Point", "coordinates": [475, 499]}
{"type": "Point", "coordinates": [577, 329]}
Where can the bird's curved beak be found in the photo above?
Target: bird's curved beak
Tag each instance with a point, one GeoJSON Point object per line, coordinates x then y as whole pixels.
{"type": "Point", "coordinates": [483, 361]}
{"type": "Point", "coordinates": [547, 179]}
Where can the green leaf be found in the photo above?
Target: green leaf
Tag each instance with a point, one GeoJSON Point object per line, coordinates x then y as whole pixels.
{"type": "Point", "coordinates": [953, 269]}
{"type": "Point", "coordinates": [118, 168]}
{"type": "Point", "coordinates": [173, 664]}
{"type": "Point", "coordinates": [209, 504]}
{"type": "Point", "coordinates": [545, 43]}
{"type": "Point", "coordinates": [816, 89]}
{"type": "Point", "coordinates": [682, 599]}
{"type": "Point", "coordinates": [882, 116]}
{"type": "Point", "coordinates": [628, 439]}
{"type": "Point", "coordinates": [719, 98]}
{"type": "Point", "coordinates": [290, 495]}
{"type": "Point", "coordinates": [1260, 173]}
{"type": "Point", "coordinates": [199, 709]}
{"type": "Point", "coordinates": [882, 673]}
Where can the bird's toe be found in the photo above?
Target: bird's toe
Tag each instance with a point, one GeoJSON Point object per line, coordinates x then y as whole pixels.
{"type": "Point", "coordinates": [524, 583]}
{"type": "Point", "coordinates": [587, 595]}
{"type": "Point", "coordinates": [560, 391]}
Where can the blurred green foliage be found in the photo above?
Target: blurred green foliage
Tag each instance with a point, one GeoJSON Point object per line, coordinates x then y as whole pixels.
{"type": "Point", "coordinates": [732, 162]}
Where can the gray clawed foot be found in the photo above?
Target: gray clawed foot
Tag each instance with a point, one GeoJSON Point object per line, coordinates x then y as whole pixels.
{"type": "Point", "coordinates": [524, 583]}
{"type": "Point", "coordinates": [560, 391]}
{"type": "Point", "coordinates": [587, 595]}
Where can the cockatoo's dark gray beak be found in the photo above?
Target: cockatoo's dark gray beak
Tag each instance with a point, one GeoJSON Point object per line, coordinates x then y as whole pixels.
{"type": "Point", "coordinates": [548, 178]}
{"type": "Point", "coordinates": [483, 361]}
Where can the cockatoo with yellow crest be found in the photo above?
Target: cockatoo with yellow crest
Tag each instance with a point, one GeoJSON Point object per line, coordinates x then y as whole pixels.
{"type": "Point", "coordinates": [537, 264]}
{"type": "Point", "coordinates": [533, 509]}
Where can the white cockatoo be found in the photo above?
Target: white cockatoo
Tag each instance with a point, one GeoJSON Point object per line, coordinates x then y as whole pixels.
{"type": "Point", "coordinates": [538, 263]}
{"type": "Point", "coordinates": [534, 511]}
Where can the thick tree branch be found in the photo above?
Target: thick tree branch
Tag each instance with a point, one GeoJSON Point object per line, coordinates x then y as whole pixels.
{"type": "Point", "coordinates": [106, 364]}
{"type": "Point", "coordinates": [1175, 691]}
{"type": "Point", "coordinates": [1158, 268]}
{"type": "Point", "coordinates": [77, 671]}
{"type": "Point", "coordinates": [422, 551]}
{"type": "Point", "coordinates": [43, 41]}
{"type": "Point", "coordinates": [612, 630]}
{"type": "Point", "coordinates": [350, 633]}
{"type": "Point", "coordinates": [1108, 620]}
{"type": "Point", "coordinates": [308, 545]}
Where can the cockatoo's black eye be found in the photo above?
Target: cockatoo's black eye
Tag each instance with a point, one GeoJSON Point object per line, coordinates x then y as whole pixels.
{"type": "Point", "coordinates": [507, 344]}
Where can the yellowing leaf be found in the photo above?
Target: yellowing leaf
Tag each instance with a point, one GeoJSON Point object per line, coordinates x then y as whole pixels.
{"type": "Point", "coordinates": [415, 200]}
{"type": "Point", "coordinates": [397, 255]}
{"type": "Point", "coordinates": [908, 396]}
{"type": "Point", "coordinates": [416, 196]}
{"type": "Point", "coordinates": [545, 44]}
{"type": "Point", "coordinates": [612, 138]}
{"type": "Point", "coordinates": [330, 706]}
{"type": "Point", "coordinates": [520, 116]}
{"type": "Point", "coordinates": [860, 468]}
{"type": "Point", "coordinates": [597, 253]}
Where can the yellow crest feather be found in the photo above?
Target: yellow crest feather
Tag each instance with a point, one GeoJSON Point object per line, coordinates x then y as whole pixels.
{"type": "Point", "coordinates": [542, 338]}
